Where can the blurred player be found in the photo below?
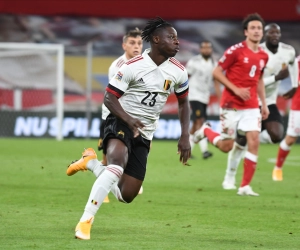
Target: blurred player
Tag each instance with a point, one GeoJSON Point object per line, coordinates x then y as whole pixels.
{"type": "Point", "coordinates": [135, 97]}
{"type": "Point", "coordinates": [132, 46]}
{"type": "Point", "coordinates": [293, 132]}
{"type": "Point", "coordinates": [200, 68]}
{"type": "Point", "coordinates": [281, 62]}
{"type": "Point", "coordinates": [240, 115]}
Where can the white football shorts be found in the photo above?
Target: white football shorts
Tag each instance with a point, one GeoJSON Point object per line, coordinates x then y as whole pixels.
{"type": "Point", "coordinates": [294, 123]}
{"type": "Point", "coordinates": [241, 121]}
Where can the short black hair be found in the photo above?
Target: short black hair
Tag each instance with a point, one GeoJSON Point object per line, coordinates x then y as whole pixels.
{"type": "Point", "coordinates": [252, 17]}
{"type": "Point", "coordinates": [132, 33]}
{"type": "Point", "coordinates": [152, 26]}
{"type": "Point", "coordinates": [271, 25]}
{"type": "Point", "coordinates": [205, 41]}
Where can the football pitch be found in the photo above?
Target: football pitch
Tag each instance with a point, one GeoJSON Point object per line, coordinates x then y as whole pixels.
{"type": "Point", "coordinates": [182, 207]}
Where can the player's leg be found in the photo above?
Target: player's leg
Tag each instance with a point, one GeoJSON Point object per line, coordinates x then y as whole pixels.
{"type": "Point", "coordinates": [116, 146]}
{"type": "Point", "coordinates": [251, 124]}
{"type": "Point", "coordinates": [272, 127]}
{"type": "Point", "coordinates": [215, 138]}
{"type": "Point", "coordinates": [234, 157]}
{"type": "Point", "coordinates": [283, 151]}
{"type": "Point", "coordinates": [195, 121]}
{"type": "Point", "coordinates": [225, 140]}
{"type": "Point", "coordinates": [293, 132]}
{"type": "Point", "coordinates": [88, 161]}
{"type": "Point", "coordinates": [103, 185]}
{"type": "Point", "coordinates": [203, 144]}
{"type": "Point", "coordinates": [131, 181]}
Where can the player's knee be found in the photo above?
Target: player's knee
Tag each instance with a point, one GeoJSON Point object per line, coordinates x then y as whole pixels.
{"type": "Point", "coordinates": [276, 133]}
{"type": "Point", "coordinates": [127, 198]}
{"type": "Point", "coordinates": [226, 147]}
{"type": "Point", "coordinates": [276, 138]}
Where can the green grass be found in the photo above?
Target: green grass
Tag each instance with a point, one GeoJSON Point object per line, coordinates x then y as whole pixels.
{"type": "Point", "coordinates": [181, 207]}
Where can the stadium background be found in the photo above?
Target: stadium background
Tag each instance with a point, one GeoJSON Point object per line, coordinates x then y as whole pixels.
{"type": "Point", "coordinates": [75, 23]}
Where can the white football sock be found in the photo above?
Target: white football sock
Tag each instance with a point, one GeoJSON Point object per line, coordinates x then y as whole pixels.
{"type": "Point", "coordinates": [95, 166]}
{"type": "Point", "coordinates": [234, 158]}
{"type": "Point", "coordinates": [264, 137]}
{"type": "Point", "coordinates": [100, 189]}
{"type": "Point", "coordinates": [203, 145]}
{"type": "Point", "coordinates": [284, 146]}
{"type": "Point", "coordinates": [117, 192]}
{"type": "Point", "coordinates": [192, 142]}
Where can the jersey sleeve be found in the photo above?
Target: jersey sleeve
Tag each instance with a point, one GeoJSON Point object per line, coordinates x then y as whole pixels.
{"type": "Point", "coordinates": [112, 71]}
{"type": "Point", "coordinates": [228, 58]}
{"type": "Point", "coordinates": [182, 87]}
{"type": "Point", "coordinates": [294, 73]}
{"type": "Point", "coordinates": [119, 83]}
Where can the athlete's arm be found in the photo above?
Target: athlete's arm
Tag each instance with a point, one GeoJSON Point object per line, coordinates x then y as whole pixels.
{"type": "Point", "coordinates": [261, 94]}
{"type": "Point", "coordinates": [243, 93]}
{"type": "Point", "coordinates": [184, 147]}
{"type": "Point", "coordinates": [112, 103]}
{"type": "Point", "coordinates": [282, 74]}
{"type": "Point", "coordinates": [294, 72]}
{"type": "Point", "coordinates": [218, 90]}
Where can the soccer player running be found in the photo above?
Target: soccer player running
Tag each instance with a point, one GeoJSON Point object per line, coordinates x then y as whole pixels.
{"type": "Point", "coordinates": [135, 97]}
{"type": "Point", "coordinates": [281, 63]}
{"type": "Point", "coordinates": [200, 68]}
{"type": "Point", "coordinates": [132, 46]}
{"type": "Point", "coordinates": [293, 132]}
{"type": "Point", "coordinates": [240, 115]}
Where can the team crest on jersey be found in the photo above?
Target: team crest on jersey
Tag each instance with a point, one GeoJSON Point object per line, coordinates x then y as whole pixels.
{"type": "Point", "coordinates": [121, 133]}
{"type": "Point", "coordinates": [261, 64]}
{"type": "Point", "coordinates": [119, 76]}
{"type": "Point", "coordinates": [167, 84]}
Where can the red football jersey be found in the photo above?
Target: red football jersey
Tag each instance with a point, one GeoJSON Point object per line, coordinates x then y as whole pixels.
{"type": "Point", "coordinates": [244, 68]}
{"type": "Point", "coordinates": [296, 97]}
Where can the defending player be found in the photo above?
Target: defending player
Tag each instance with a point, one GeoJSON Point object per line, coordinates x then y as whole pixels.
{"type": "Point", "coordinates": [135, 97]}
{"type": "Point", "coordinates": [293, 132]}
{"type": "Point", "coordinates": [281, 62]}
{"type": "Point", "coordinates": [240, 115]}
{"type": "Point", "coordinates": [200, 68]}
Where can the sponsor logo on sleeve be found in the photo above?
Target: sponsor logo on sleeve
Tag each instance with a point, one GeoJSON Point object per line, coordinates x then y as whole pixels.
{"type": "Point", "coordinates": [183, 84]}
{"type": "Point", "coordinates": [119, 76]}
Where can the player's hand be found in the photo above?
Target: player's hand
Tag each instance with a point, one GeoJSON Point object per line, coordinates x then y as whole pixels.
{"type": "Point", "coordinates": [264, 112]}
{"type": "Point", "coordinates": [289, 94]}
{"type": "Point", "coordinates": [184, 149]}
{"type": "Point", "coordinates": [284, 73]}
{"type": "Point", "coordinates": [135, 124]}
{"type": "Point", "coordinates": [243, 93]}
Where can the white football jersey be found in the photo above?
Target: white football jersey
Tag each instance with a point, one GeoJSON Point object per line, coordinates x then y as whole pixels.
{"type": "Point", "coordinates": [143, 88]}
{"type": "Point", "coordinates": [200, 78]}
{"type": "Point", "coordinates": [285, 56]}
{"type": "Point", "coordinates": [113, 69]}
